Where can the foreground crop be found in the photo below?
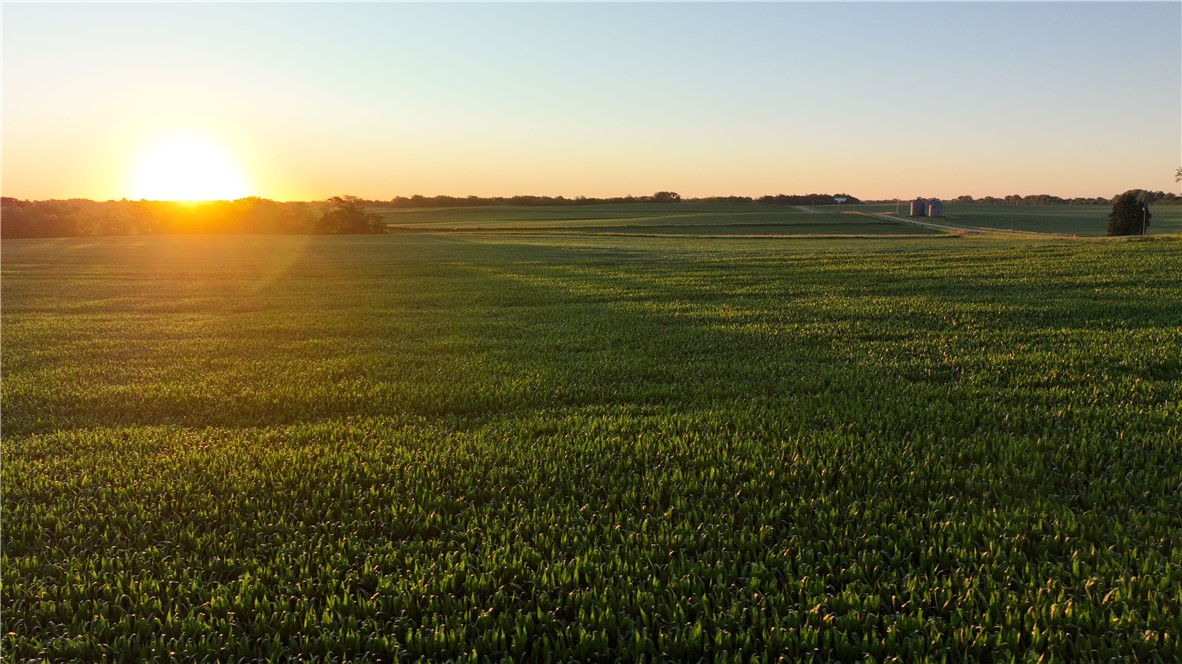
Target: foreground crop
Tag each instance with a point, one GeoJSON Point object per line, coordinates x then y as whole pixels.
{"type": "Point", "coordinates": [415, 446]}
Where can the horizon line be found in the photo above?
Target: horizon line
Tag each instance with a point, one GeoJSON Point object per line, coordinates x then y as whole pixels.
{"type": "Point", "coordinates": [570, 198]}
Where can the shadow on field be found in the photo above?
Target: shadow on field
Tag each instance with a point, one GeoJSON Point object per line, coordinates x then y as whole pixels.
{"type": "Point", "coordinates": [975, 362]}
{"type": "Point", "coordinates": [866, 446]}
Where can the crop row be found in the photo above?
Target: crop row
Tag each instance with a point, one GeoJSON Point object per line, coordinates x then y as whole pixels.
{"type": "Point", "coordinates": [469, 453]}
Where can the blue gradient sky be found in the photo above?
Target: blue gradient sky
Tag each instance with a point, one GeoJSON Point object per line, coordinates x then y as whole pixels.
{"type": "Point", "coordinates": [874, 99]}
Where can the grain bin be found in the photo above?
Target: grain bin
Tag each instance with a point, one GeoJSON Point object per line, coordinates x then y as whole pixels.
{"type": "Point", "coordinates": [935, 208]}
{"type": "Point", "coordinates": [918, 207]}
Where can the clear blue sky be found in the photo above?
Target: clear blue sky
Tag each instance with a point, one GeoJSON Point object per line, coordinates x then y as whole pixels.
{"type": "Point", "coordinates": [378, 100]}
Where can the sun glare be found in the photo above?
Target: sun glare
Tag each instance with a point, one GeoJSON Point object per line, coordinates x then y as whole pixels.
{"type": "Point", "coordinates": [187, 168]}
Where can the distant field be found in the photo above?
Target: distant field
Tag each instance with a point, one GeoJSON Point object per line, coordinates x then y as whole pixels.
{"type": "Point", "coordinates": [737, 219]}
{"type": "Point", "coordinates": [1065, 219]}
{"type": "Point", "coordinates": [677, 219]}
{"type": "Point", "coordinates": [532, 446]}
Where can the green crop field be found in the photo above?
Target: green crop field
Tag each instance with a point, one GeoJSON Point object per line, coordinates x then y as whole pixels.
{"type": "Point", "coordinates": [531, 445]}
{"type": "Point", "coordinates": [717, 219]}
{"type": "Point", "coordinates": [683, 219]}
{"type": "Point", "coordinates": [1064, 219]}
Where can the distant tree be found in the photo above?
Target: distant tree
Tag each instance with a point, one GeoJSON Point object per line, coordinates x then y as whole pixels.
{"type": "Point", "coordinates": [666, 197]}
{"type": "Point", "coordinates": [1178, 175]}
{"type": "Point", "coordinates": [1129, 216]}
{"type": "Point", "coordinates": [346, 215]}
{"type": "Point", "coordinates": [722, 199]}
{"type": "Point", "coordinates": [1153, 197]}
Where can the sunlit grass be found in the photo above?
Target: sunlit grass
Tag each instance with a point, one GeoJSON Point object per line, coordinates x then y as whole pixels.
{"type": "Point", "coordinates": [504, 446]}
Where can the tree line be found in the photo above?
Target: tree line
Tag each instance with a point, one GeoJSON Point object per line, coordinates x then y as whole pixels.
{"type": "Point", "coordinates": [82, 217]}
{"type": "Point", "coordinates": [1143, 196]}
{"type": "Point", "coordinates": [350, 214]}
{"type": "Point", "coordinates": [419, 201]}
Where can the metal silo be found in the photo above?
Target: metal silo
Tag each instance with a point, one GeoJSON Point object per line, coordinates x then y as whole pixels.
{"type": "Point", "coordinates": [935, 208]}
{"type": "Point", "coordinates": [918, 207]}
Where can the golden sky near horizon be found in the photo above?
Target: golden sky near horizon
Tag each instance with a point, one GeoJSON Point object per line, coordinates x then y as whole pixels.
{"type": "Point", "coordinates": [306, 101]}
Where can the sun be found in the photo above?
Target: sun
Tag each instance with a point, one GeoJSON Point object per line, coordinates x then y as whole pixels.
{"type": "Point", "coordinates": [187, 168]}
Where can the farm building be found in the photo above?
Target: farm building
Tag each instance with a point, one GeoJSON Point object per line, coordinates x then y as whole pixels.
{"type": "Point", "coordinates": [927, 208]}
